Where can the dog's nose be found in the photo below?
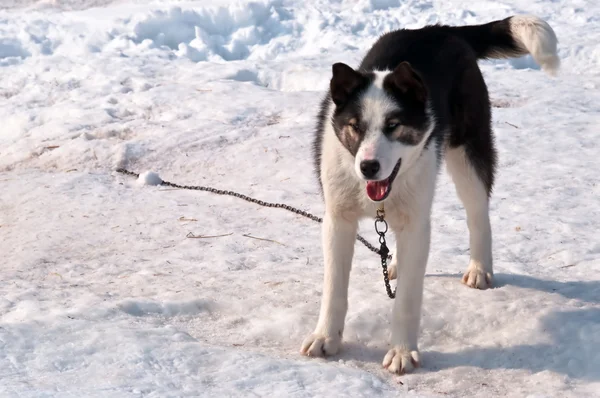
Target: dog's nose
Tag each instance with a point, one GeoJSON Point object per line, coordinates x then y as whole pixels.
{"type": "Point", "coordinates": [369, 168]}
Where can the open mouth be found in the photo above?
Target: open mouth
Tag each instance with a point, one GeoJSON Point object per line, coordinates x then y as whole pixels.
{"type": "Point", "coordinates": [379, 190]}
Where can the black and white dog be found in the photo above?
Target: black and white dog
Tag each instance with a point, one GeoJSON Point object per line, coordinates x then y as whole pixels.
{"type": "Point", "coordinates": [383, 129]}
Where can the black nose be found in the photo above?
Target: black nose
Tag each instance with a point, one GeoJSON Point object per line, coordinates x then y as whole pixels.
{"type": "Point", "coordinates": [369, 168]}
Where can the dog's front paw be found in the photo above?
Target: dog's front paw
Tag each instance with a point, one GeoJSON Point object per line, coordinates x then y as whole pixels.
{"type": "Point", "coordinates": [400, 360]}
{"type": "Point", "coordinates": [319, 345]}
{"type": "Point", "coordinates": [477, 276]}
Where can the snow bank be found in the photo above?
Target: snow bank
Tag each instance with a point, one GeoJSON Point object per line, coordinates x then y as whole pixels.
{"type": "Point", "coordinates": [224, 33]}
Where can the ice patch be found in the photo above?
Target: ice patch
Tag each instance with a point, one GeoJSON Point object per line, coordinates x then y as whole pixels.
{"type": "Point", "coordinates": [291, 78]}
{"type": "Point", "coordinates": [149, 178]}
{"type": "Point", "coordinates": [383, 4]}
{"type": "Point", "coordinates": [11, 51]}
{"type": "Point", "coordinates": [167, 309]}
{"type": "Point", "coordinates": [296, 78]}
{"type": "Point", "coordinates": [245, 75]}
{"type": "Point", "coordinates": [521, 63]}
{"type": "Point", "coordinates": [525, 62]}
{"type": "Point", "coordinates": [12, 48]}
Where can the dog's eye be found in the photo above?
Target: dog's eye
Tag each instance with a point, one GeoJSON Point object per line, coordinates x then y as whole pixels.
{"type": "Point", "coordinates": [353, 126]}
{"type": "Point", "coordinates": [392, 125]}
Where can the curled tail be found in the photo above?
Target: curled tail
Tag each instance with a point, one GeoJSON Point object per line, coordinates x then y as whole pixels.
{"type": "Point", "coordinates": [512, 37]}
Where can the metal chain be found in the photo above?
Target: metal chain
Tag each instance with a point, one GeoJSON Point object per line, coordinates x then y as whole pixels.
{"type": "Point", "coordinates": [383, 251]}
{"type": "Point", "coordinates": [381, 228]}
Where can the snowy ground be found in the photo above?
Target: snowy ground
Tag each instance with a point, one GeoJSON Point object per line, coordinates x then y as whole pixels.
{"type": "Point", "coordinates": [102, 294]}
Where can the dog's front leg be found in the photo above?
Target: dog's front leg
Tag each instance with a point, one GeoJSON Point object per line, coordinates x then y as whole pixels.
{"type": "Point", "coordinates": [339, 234]}
{"type": "Point", "coordinates": [413, 249]}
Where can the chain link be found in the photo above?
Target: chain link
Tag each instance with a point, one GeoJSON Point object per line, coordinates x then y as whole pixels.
{"type": "Point", "coordinates": [383, 251]}
{"type": "Point", "coordinates": [381, 227]}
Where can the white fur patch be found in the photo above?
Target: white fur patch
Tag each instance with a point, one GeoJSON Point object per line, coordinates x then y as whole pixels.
{"type": "Point", "coordinates": [538, 38]}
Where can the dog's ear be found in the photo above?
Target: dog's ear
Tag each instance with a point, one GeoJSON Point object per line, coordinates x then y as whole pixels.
{"type": "Point", "coordinates": [407, 82]}
{"type": "Point", "coordinates": [344, 82]}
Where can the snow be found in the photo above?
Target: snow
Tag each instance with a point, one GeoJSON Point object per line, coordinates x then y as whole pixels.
{"type": "Point", "coordinates": [103, 290]}
{"type": "Point", "coordinates": [149, 178]}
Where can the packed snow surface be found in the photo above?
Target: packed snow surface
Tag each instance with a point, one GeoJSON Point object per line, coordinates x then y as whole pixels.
{"type": "Point", "coordinates": [115, 288]}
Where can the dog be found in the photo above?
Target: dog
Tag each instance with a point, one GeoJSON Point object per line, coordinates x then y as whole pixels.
{"type": "Point", "coordinates": [383, 130]}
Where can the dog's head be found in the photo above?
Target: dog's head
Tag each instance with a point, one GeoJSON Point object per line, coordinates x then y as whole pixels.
{"type": "Point", "coordinates": [382, 119]}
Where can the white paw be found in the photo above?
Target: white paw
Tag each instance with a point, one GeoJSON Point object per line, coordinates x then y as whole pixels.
{"type": "Point", "coordinates": [477, 277]}
{"type": "Point", "coordinates": [319, 345]}
{"type": "Point", "coordinates": [400, 360]}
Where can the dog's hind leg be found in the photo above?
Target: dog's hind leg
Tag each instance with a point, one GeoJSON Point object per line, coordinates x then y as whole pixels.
{"type": "Point", "coordinates": [474, 194]}
{"type": "Point", "coordinates": [339, 234]}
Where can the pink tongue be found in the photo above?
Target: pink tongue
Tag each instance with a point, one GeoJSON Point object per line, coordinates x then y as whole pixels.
{"type": "Point", "coordinates": [376, 190]}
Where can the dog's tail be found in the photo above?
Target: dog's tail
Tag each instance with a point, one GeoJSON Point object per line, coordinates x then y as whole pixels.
{"type": "Point", "coordinates": [512, 37]}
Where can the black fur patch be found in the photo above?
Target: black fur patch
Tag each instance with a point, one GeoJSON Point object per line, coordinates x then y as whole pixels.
{"type": "Point", "coordinates": [348, 109]}
{"type": "Point", "coordinates": [346, 120]}
{"type": "Point", "coordinates": [407, 88]}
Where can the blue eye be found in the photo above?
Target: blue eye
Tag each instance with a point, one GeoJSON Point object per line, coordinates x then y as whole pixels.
{"type": "Point", "coordinates": [392, 126]}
